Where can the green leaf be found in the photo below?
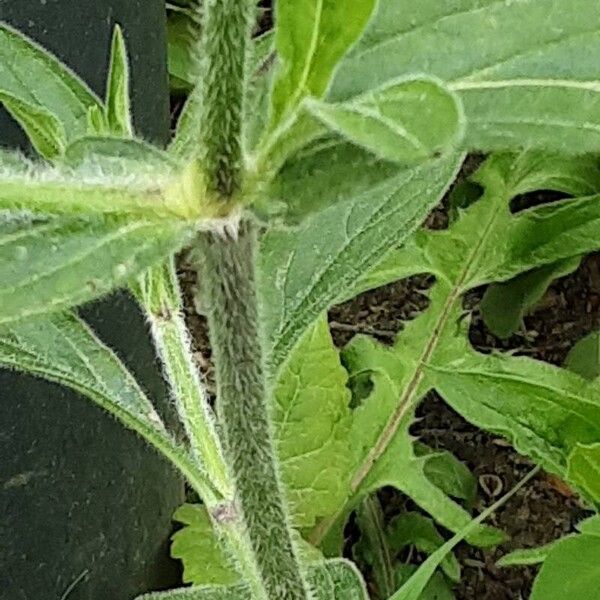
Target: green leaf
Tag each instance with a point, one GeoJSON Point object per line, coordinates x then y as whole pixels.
{"type": "Point", "coordinates": [486, 243]}
{"type": "Point", "coordinates": [584, 468]}
{"type": "Point", "coordinates": [590, 526]}
{"type": "Point", "coordinates": [373, 547]}
{"type": "Point", "coordinates": [404, 121]}
{"type": "Point", "coordinates": [32, 75]}
{"type": "Point", "coordinates": [45, 132]}
{"type": "Point", "coordinates": [63, 349]}
{"type": "Point", "coordinates": [311, 417]}
{"type": "Point", "coordinates": [49, 263]}
{"type": "Point", "coordinates": [310, 40]}
{"type": "Point", "coordinates": [448, 473]}
{"type": "Point", "coordinates": [414, 529]}
{"type": "Point", "coordinates": [415, 586]}
{"type": "Point", "coordinates": [584, 357]}
{"type": "Point", "coordinates": [571, 570]}
{"type": "Point", "coordinates": [528, 556]}
{"type": "Point", "coordinates": [305, 271]}
{"type": "Point", "coordinates": [521, 87]}
{"type": "Point", "coordinates": [505, 304]}
{"type": "Point", "coordinates": [196, 545]}
{"type": "Point", "coordinates": [336, 579]}
{"type": "Point", "coordinates": [437, 587]}
{"type": "Point", "coordinates": [183, 33]}
{"type": "Point", "coordinates": [118, 109]}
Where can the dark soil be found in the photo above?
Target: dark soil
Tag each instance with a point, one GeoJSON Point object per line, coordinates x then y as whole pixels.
{"type": "Point", "coordinates": [543, 510]}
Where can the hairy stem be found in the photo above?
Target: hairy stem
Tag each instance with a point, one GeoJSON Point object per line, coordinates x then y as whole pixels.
{"type": "Point", "coordinates": [223, 50]}
{"type": "Point", "coordinates": [160, 295]}
{"type": "Point", "coordinates": [228, 286]}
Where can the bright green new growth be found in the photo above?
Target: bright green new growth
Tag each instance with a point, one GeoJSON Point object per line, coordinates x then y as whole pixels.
{"type": "Point", "coordinates": [352, 134]}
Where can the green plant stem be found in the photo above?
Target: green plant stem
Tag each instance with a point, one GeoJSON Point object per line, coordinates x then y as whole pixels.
{"type": "Point", "coordinates": [228, 287]}
{"type": "Point", "coordinates": [161, 298]}
{"type": "Point", "coordinates": [223, 48]}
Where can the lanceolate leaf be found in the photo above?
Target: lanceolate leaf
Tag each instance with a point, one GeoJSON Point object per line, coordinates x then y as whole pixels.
{"type": "Point", "coordinates": [32, 75]}
{"type": "Point", "coordinates": [371, 209]}
{"type": "Point", "coordinates": [511, 62]}
{"type": "Point", "coordinates": [310, 39]}
{"type": "Point", "coordinates": [43, 129]}
{"type": "Point", "coordinates": [118, 110]}
{"type": "Point", "coordinates": [406, 121]}
{"type": "Point", "coordinates": [51, 263]}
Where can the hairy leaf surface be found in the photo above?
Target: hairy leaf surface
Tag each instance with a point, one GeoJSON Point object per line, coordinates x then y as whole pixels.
{"type": "Point", "coordinates": [32, 75]}
{"type": "Point", "coordinates": [305, 271]}
{"type": "Point", "coordinates": [311, 37]}
{"type": "Point", "coordinates": [519, 66]}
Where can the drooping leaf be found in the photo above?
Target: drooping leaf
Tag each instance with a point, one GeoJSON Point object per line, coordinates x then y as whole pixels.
{"type": "Point", "coordinates": [311, 419]}
{"type": "Point", "coordinates": [43, 129]}
{"type": "Point", "coordinates": [118, 109]}
{"type": "Point", "coordinates": [48, 264]}
{"type": "Point", "coordinates": [512, 64]}
{"type": "Point", "coordinates": [32, 75]}
{"type": "Point", "coordinates": [63, 349]}
{"type": "Point", "coordinates": [505, 304]}
{"type": "Point", "coordinates": [305, 271]}
{"type": "Point", "coordinates": [584, 468]}
{"type": "Point", "coordinates": [571, 570]}
{"type": "Point", "coordinates": [584, 357]}
{"type": "Point", "coordinates": [310, 39]}
{"type": "Point", "coordinates": [406, 122]}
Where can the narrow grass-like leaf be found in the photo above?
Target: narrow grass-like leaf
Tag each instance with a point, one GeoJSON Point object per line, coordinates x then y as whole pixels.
{"type": "Point", "coordinates": [405, 121]}
{"type": "Point", "coordinates": [118, 109]}
{"type": "Point", "coordinates": [310, 40]}
{"type": "Point", "coordinates": [31, 74]}
{"type": "Point", "coordinates": [512, 63]}
{"type": "Point", "coordinates": [43, 129]}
